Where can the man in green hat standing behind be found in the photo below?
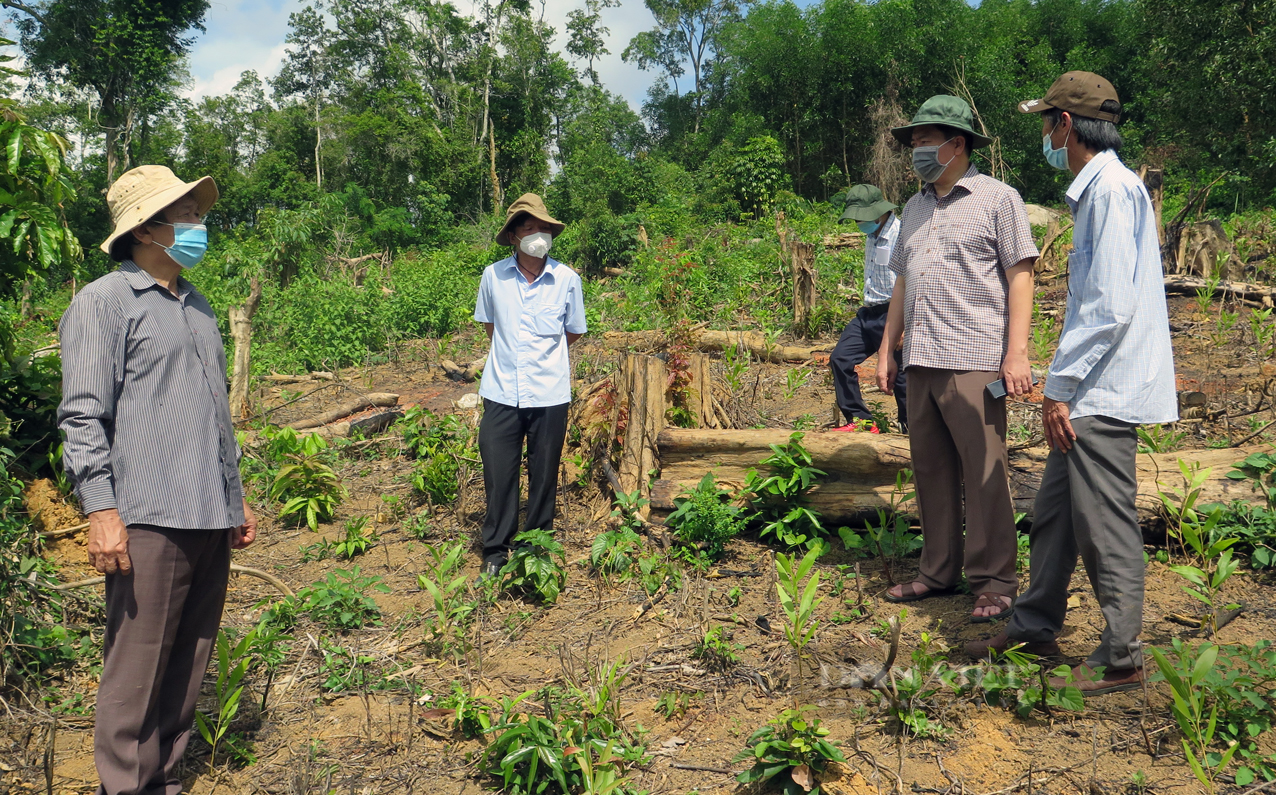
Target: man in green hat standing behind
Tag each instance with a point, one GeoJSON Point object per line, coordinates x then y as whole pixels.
{"type": "Point", "coordinates": [963, 304]}
{"type": "Point", "coordinates": [875, 216]}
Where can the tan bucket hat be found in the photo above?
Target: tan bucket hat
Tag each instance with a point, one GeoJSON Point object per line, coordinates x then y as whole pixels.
{"type": "Point", "coordinates": [142, 192]}
{"type": "Point", "coordinates": [531, 204]}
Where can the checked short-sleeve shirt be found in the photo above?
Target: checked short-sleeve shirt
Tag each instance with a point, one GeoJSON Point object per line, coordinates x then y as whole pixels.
{"type": "Point", "coordinates": [953, 252]}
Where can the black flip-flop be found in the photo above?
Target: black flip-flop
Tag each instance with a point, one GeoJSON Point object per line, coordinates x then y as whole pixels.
{"type": "Point", "coordinates": [1006, 612]}
{"type": "Point", "coordinates": [917, 597]}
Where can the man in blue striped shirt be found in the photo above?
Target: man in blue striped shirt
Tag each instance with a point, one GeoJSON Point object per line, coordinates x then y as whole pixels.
{"type": "Point", "coordinates": [151, 450]}
{"type": "Point", "coordinates": [1113, 370]}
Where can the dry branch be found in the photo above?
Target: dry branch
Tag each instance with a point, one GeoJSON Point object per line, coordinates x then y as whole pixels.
{"type": "Point", "coordinates": [235, 568]}
{"type": "Point", "coordinates": [1188, 285]}
{"type": "Point", "coordinates": [346, 409]}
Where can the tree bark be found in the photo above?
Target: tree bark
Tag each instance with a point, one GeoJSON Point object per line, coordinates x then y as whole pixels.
{"type": "Point", "coordinates": [643, 380]}
{"type": "Point", "coordinates": [802, 261]}
{"type": "Point", "coordinates": [241, 331]}
{"type": "Point", "coordinates": [861, 469]}
{"type": "Point", "coordinates": [346, 409]}
{"type": "Point", "coordinates": [701, 388]}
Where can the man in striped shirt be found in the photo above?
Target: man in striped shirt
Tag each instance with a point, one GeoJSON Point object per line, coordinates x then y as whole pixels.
{"type": "Point", "coordinates": [1113, 370]}
{"type": "Point", "coordinates": [151, 449]}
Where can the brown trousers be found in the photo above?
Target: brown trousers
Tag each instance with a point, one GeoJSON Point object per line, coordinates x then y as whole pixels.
{"type": "Point", "coordinates": [161, 626]}
{"type": "Point", "coordinates": [957, 434]}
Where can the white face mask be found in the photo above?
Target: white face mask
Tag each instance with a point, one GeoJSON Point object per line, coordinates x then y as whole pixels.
{"type": "Point", "coordinates": [536, 244]}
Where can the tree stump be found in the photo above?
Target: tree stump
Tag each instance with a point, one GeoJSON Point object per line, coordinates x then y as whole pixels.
{"type": "Point", "coordinates": [802, 261]}
{"type": "Point", "coordinates": [241, 331]}
{"type": "Point", "coordinates": [643, 382]}
{"type": "Point", "coordinates": [701, 389]}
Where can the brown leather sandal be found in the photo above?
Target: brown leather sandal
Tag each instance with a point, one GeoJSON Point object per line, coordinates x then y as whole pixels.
{"type": "Point", "coordinates": [990, 599]}
{"type": "Point", "coordinates": [909, 592]}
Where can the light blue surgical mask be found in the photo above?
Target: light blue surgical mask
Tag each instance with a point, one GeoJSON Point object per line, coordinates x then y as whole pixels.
{"type": "Point", "coordinates": [190, 243]}
{"type": "Point", "coordinates": [868, 227]}
{"type": "Point", "coordinates": [1056, 157]}
{"type": "Point", "coordinates": [926, 164]}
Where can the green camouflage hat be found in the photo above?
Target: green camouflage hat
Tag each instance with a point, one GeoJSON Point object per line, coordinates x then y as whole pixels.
{"type": "Point", "coordinates": [865, 203]}
{"type": "Point", "coordinates": [946, 110]}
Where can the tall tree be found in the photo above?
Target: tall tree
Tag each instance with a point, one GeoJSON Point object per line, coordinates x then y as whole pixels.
{"type": "Point", "coordinates": [588, 38]}
{"type": "Point", "coordinates": [125, 51]}
{"type": "Point", "coordinates": [685, 30]}
{"type": "Point", "coordinates": [305, 71]}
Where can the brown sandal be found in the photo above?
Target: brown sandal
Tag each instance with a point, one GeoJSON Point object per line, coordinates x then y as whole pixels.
{"type": "Point", "coordinates": [990, 599]}
{"type": "Point", "coordinates": [914, 595]}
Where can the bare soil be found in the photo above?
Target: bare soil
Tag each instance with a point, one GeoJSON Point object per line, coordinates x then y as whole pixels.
{"type": "Point", "coordinates": [381, 741]}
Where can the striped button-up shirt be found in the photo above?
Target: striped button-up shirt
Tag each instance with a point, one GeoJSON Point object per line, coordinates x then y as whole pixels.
{"type": "Point", "coordinates": [1114, 357]}
{"type": "Point", "coordinates": [144, 407]}
{"type": "Point", "coordinates": [528, 364]}
{"type": "Point", "coordinates": [879, 279]}
{"type": "Point", "coordinates": [953, 253]}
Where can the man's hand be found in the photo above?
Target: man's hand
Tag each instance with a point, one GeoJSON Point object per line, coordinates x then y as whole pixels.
{"type": "Point", "coordinates": [1057, 426]}
{"type": "Point", "coordinates": [1017, 374]}
{"type": "Point", "coordinates": [886, 375]}
{"type": "Point", "coordinates": [246, 533]}
{"type": "Point", "coordinates": [108, 543]}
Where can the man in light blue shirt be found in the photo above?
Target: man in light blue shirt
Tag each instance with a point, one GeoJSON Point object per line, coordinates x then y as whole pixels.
{"type": "Point", "coordinates": [875, 217]}
{"type": "Point", "coordinates": [1113, 370]}
{"type": "Point", "coordinates": [532, 308]}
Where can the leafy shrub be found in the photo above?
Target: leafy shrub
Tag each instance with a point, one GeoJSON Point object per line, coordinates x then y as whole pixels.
{"type": "Point", "coordinates": [447, 587]}
{"type": "Point", "coordinates": [358, 539]}
{"type": "Point", "coordinates": [716, 650]}
{"type": "Point", "coordinates": [433, 295]}
{"type": "Point", "coordinates": [614, 549]}
{"type": "Point", "coordinates": [705, 515]}
{"type": "Point", "coordinates": [536, 566]}
{"type": "Point", "coordinates": [341, 600]}
{"type": "Point", "coordinates": [791, 744]}
{"type": "Point", "coordinates": [778, 498]}
{"type": "Point", "coordinates": [309, 489]}
{"type": "Point", "coordinates": [440, 444]}
{"type": "Point", "coordinates": [319, 324]}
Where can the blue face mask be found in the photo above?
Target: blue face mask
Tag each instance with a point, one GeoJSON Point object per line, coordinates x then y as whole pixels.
{"type": "Point", "coordinates": [868, 227]}
{"type": "Point", "coordinates": [190, 242]}
{"type": "Point", "coordinates": [1056, 157]}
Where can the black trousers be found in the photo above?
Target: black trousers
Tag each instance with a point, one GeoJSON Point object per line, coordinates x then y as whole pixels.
{"type": "Point", "coordinates": [501, 436]}
{"type": "Point", "coordinates": [860, 339]}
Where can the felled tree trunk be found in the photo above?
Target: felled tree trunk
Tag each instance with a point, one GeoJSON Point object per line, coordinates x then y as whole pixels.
{"type": "Point", "coordinates": [643, 382]}
{"type": "Point", "coordinates": [346, 409]}
{"type": "Point", "coordinates": [1188, 285]}
{"type": "Point", "coordinates": [241, 331]}
{"type": "Point", "coordinates": [862, 468]}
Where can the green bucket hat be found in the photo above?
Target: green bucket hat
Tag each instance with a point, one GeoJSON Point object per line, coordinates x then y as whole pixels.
{"type": "Point", "coordinates": [865, 203]}
{"type": "Point", "coordinates": [946, 110]}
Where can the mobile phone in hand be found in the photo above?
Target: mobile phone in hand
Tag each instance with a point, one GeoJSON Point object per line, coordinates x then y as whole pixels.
{"type": "Point", "coordinates": [997, 389]}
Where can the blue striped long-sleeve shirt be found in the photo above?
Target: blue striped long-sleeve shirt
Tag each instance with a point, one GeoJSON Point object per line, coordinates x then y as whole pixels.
{"type": "Point", "coordinates": [1114, 357]}
{"type": "Point", "coordinates": [144, 406]}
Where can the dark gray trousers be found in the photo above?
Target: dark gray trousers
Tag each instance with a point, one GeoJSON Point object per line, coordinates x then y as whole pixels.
{"type": "Point", "coordinates": [501, 435]}
{"type": "Point", "coordinates": [860, 339]}
{"type": "Point", "coordinates": [1086, 506]}
{"type": "Point", "coordinates": [161, 625]}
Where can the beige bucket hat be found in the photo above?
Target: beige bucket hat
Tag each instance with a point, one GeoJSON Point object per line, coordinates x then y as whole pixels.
{"type": "Point", "coordinates": [534, 206]}
{"type": "Point", "coordinates": [142, 192]}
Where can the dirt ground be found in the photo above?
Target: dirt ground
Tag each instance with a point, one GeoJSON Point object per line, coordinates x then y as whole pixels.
{"type": "Point", "coordinates": [381, 741]}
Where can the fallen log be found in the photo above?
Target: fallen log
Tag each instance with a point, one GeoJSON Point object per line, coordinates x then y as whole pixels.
{"type": "Point", "coordinates": [293, 379]}
{"type": "Point", "coordinates": [1188, 285]}
{"type": "Point", "coordinates": [464, 374]}
{"type": "Point", "coordinates": [710, 340]}
{"type": "Point", "coordinates": [383, 399]}
{"type": "Point", "coordinates": [862, 467]}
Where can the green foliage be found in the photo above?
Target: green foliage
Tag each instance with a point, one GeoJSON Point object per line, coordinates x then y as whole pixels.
{"type": "Point", "coordinates": [308, 488]}
{"type": "Point", "coordinates": [447, 587]}
{"type": "Point", "coordinates": [341, 600]}
{"type": "Point", "coordinates": [675, 704]}
{"type": "Point", "coordinates": [345, 670]}
{"type": "Point", "coordinates": [536, 566]}
{"type": "Point", "coordinates": [471, 715]}
{"type": "Point", "coordinates": [614, 550]}
{"type": "Point", "coordinates": [793, 744]}
{"type": "Point", "coordinates": [1017, 680]}
{"type": "Point", "coordinates": [232, 669]}
{"type": "Point", "coordinates": [716, 650]}
{"type": "Point", "coordinates": [1216, 565]}
{"type": "Point", "coordinates": [359, 538]}
{"type": "Point", "coordinates": [1160, 439]}
{"type": "Point", "coordinates": [1260, 470]}
{"type": "Point", "coordinates": [706, 516]}
{"type": "Point", "coordinates": [798, 603]}
{"type": "Point", "coordinates": [1253, 527]}
{"type": "Point", "coordinates": [440, 444]}
{"type": "Point", "coordinates": [1194, 711]}
{"type": "Point", "coordinates": [778, 497]}
{"type": "Point", "coordinates": [757, 173]}
{"type": "Point", "coordinates": [1180, 504]}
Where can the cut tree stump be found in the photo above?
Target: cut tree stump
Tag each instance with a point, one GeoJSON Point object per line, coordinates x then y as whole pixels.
{"type": "Point", "coordinates": [241, 331]}
{"type": "Point", "coordinates": [862, 467]}
{"type": "Point", "coordinates": [643, 382]}
{"type": "Point", "coordinates": [802, 263]}
{"type": "Point", "coordinates": [382, 399]}
{"type": "Point", "coordinates": [701, 397]}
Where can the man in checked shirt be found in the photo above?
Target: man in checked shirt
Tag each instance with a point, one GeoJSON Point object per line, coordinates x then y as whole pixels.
{"type": "Point", "coordinates": [963, 302]}
{"type": "Point", "coordinates": [151, 450]}
{"type": "Point", "coordinates": [1113, 370]}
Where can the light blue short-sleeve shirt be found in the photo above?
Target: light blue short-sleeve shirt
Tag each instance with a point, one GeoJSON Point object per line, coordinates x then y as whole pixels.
{"type": "Point", "coordinates": [528, 365]}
